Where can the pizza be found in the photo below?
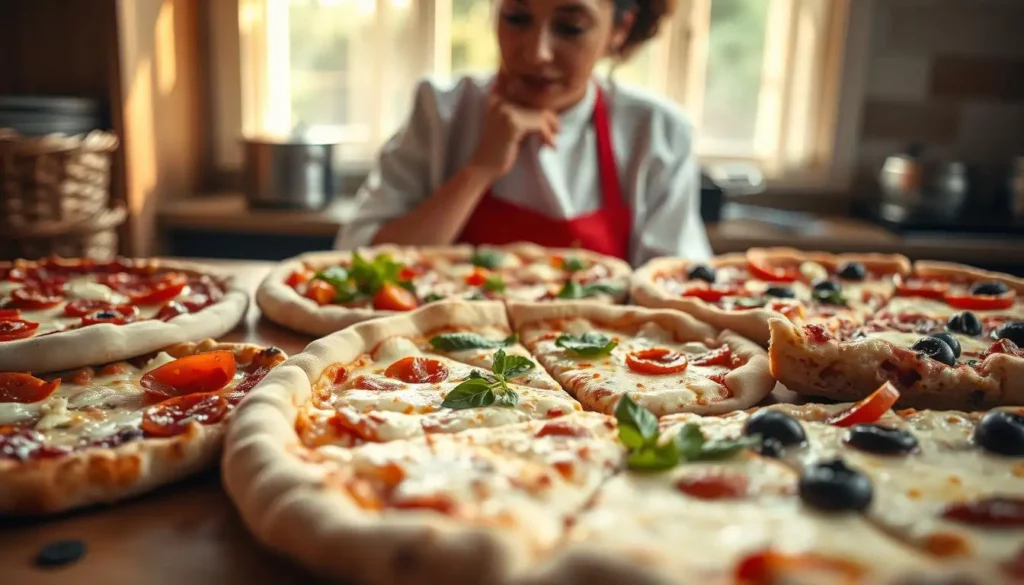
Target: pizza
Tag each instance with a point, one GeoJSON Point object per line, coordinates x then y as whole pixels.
{"type": "Point", "coordinates": [322, 292]}
{"type": "Point", "coordinates": [415, 448]}
{"type": "Point", "coordinates": [61, 313]}
{"type": "Point", "coordinates": [950, 337]}
{"type": "Point", "coordinates": [666, 361]}
{"type": "Point", "coordinates": [103, 433]}
{"type": "Point", "coordinates": [741, 292]}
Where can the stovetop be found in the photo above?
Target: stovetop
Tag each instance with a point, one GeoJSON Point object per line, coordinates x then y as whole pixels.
{"type": "Point", "coordinates": [903, 221]}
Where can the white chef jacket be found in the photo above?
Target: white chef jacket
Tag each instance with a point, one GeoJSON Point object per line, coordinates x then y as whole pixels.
{"type": "Point", "coordinates": [652, 140]}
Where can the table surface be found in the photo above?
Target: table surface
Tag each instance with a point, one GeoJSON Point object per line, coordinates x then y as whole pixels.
{"type": "Point", "coordinates": [187, 532]}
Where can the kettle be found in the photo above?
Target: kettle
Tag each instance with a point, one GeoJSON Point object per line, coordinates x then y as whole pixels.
{"type": "Point", "coordinates": [901, 178]}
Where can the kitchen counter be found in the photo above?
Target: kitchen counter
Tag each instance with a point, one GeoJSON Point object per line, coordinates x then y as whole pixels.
{"type": "Point", "coordinates": [226, 213]}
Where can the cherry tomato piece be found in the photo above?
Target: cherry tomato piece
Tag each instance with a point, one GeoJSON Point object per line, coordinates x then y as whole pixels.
{"type": "Point", "coordinates": [10, 314]}
{"type": "Point", "coordinates": [478, 277]}
{"type": "Point", "coordinates": [13, 329]}
{"type": "Point", "coordinates": [118, 315]}
{"type": "Point", "coordinates": [969, 302]}
{"type": "Point", "coordinates": [869, 409]}
{"type": "Point", "coordinates": [193, 374]}
{"type": "Point", "coordinates": [42, 296]}
{"type": "Point", "coordinates": [321, 292]}
{"type": "Point", "coordinates": [25, 388]}
{"type": "Point", "coordinates": [417, 370]}
{"type": "Point", "coordinates": [173, 417]}
{"type": "Point", "coordinates": [656, 361]}
{"type": "Point", "coordinates": [406, 274]}
{"type": "Point", "coordinates": [298, 277]}
{"type": "Point", "coordinates": [393, 297]}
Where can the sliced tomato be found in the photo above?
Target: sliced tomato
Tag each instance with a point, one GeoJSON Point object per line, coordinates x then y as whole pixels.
{"type": "Point", "coordinates": [171, 310]}
{"type": "Point", "coordinates": [321, 292]}
{"type": "Point", "coordinates": [82, 307]}
{"type": "Point", "coordinates": [25, 388]}
{"type": "Point", "coordinates": [915, 287]}
{"type": "Point", "coordinates": [298, 277]}
{"type": "Point", "coordinates": [869, 409]}
{"type": "Point", "coordinates": [173, 417]}
{"type": "Point", "coordinates": [969, 302]}
{"type": "Point", "coordinates": [656, 361]}
{"type": "Point", "coordinates": [156, 290]}
{"type": "Point", "coordinates": [714, 486]}
{"type": "Point", "coordinates": [40, 296]}
{"type": "Point", "coordinates": [715, 357]}
{"type": "Point", "coordinates": [10, 314]}
{"type": "Point", "coordinates": [194, 374]}
{"type": "Point", "coordinates": [713, 293]}
{"type": "Point", "coordinates": [12, 329]}
{"type": "Point", "coordinates": [774, 273]}
{"type": "Point", "coordinates": [118, 315]}
{"type": "Point", "coordinates": [418, 370]}
{"type": "Point", "coordinates": [478, 277]}
{"type": "Point", "coordinates": [393, 297]}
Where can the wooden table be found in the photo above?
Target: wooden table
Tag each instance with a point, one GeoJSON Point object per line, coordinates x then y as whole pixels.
{"type": "Point", "coordinates": [185, 533]}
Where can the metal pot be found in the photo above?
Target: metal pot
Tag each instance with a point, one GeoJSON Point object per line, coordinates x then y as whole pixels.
{"type": "Point", "coordinates": [288, 173]}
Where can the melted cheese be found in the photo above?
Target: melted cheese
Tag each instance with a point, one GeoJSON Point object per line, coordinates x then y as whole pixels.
{"type": "Point", "coordinates": [88, 289]}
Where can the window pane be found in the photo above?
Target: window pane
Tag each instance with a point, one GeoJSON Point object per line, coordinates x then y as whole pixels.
{"type": "Point", "coordinates": [735, 55]}
{"type": "Point", "coordinates": [473, 44]}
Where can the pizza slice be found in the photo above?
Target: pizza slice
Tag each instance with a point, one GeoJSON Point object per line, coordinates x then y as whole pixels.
{"type": "Point", "coordinates": [666, 361]}
{"type": "Point", "coordinates": [97, 435]}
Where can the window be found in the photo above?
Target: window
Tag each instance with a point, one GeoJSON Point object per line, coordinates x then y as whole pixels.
{"type": "Point", "coordinates": [758, 77]}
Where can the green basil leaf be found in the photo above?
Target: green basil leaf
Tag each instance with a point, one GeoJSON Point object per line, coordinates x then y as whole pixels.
{"type": "Point", "coordinates": [489, 259]}
{"type": "Point", "coordinates": [589, 345]}
{"type": "Point", "coordinates": [654, 458]}
{"type": "Point", "coordinates": [571, 290]}
{"type": "Point", "coordinates": [494, 283]}
{"type": "Point", "coordinates": [573, 264]}
{"type": "Point", "coordinates": [336, 276]}
{"type": "Point", "coordinates": [463, 340]}
{"type": "Point", "coordinates": [433, 298]}
{"type": "Point", "coordinates": [637, 418]}
{"type": "Point", "coordinates": [575, 290]}
{"type": "Point", "coordinates": [508, 397]}
{"type": "Point", "coordinates": [631, 437]}
{"type": "Point", "coordinates": [830, 297]}
{"type": "Point", "coordinates": [476, 296]}
{"type": "Point", "coordinates": [473, 393]}
{"type": "Point", "coordinates": [725, 448]}
{"type": "Point", "coordinates": [514, 366]}
{"type": "Point", "coordinates": [690, 440]}
{"type": "Point", "coordinates": [370, 276]}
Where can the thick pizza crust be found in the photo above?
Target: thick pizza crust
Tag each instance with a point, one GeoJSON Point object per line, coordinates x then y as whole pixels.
{"type": "Point", "coordinates": [107, 475]}
{"type": "Point", "coordinates": [851, 370]}
{"type": "Point", "coordinates": [750, 323]}
{"type": "Point", "coordinates": [749, 383]}
{"type": "Point", "coordinates": [99, 344]}
{"type": "Point", "coordinates": [953, 271]}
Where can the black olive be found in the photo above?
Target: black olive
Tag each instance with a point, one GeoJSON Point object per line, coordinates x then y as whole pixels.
{"type": "Point", "coordinates": [828, 286]}
{"type": "Point", "coordinates": [770, 448]}
{"type": "Point", "coordinates": [966, 323]}
{"type": "Point", "coordinates": [701, 272]}
{"type": "Point", "coordinates": [61, 552]}
{"type": "Point", "coordinates": [851, 271]}
{"type": "Point", "coordinates": [1014, 331]}
{"type": "Point", "coordinates": [936, 349]}
{"type": "Point", "coordinates": [106, 315]}
{"type": "Point", "coordinates": [949, 340]}
{"type": "Point", "coordinates": [780, 292]}
{"type": "Point", "coordinates": [773, 424]}
{"type": "Point", "coordinates": [880, 439]}
{"type": "Point", "coordinates": [989, 288]}
{"type": "Point", "coordinates": [1002, 432]}
{"type": "Point", "coordinates": [831, 486]}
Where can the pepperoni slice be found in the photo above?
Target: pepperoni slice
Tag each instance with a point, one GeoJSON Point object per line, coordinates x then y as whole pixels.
{"type": "Point", "coordinates": [13, 329]}
{"type": "Point", "coordinates": [24, 444]}
{"type": "Point", "coordinates": [996, 512]}
{"type": "Point", "coordinates": [25, 388]}
{"type": "Point", "coordinates": [171, 310]}
{"type": "Point", "coordinates": [173, 417]}
{"type": "Point", "coordinates": [561, 428]}
{"type": "Point", "coordinates": [714, 486]}
{"type": "Point", "coordinates": [656, 361]}
{"type": "Point", "coordinates": [40, 296]}
{"type": "Point", "coordinates": [393, 297]}
{"type": "Point", "coordinates": [869, 409]}
{"type": "Point", "coordinates": [716, 357]}
{"type": "Point", "coordinates": [10, 314]}
{"type": "Point", "coordinates": [82, 307]}
{"type": "Point", "coordinates": [157, 290]}
{"type": "Point", "coordinates": [114, 315]}
{"type": "Point", "coordinates": [194, 374]}
{"type": "Point", "coordinates": [418, 370]}
{"type": "Point", "coordinates": [247, 384]}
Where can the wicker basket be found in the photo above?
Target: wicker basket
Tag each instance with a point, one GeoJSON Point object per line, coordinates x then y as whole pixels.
{"type": "Point", "coordinates": [94, 238]}
{"type": "Point", "coordinates": [53, 180]}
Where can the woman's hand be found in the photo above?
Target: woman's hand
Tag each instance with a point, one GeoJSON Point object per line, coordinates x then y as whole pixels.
{"type": "Point", "coordinates": [505, 127]}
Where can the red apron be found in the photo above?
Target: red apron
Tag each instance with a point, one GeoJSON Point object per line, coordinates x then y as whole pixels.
{"type": "Point", "coordinates": [606, 230]}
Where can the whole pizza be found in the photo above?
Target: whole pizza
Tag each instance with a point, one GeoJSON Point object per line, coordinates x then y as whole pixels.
{"type": "Point", "coordinates": [58, 313]}
{"type": "Point", "coordinates": [580, 442]}
{"type": "Point", "coordinates": [321, 292]}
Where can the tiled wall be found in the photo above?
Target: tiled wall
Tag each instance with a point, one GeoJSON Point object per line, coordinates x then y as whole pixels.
{"type": "Point", "coordinates": [948, 74]}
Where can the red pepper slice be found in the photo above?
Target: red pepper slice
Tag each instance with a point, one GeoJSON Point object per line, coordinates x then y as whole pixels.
{"type": "Point", "coordinates": [194, 374]}
{"type": "Point", "coordinates": [10, 314]}
{"type": "Point", "coordinates": [914, 287]}
{"type": "Point", "coordinates": [869, 409]}
{"type": "Point", "coordinates": [969, 302]}
{"type": "Point", "coordinates": [773, 274]}
{"type": "Point", "coordinates": [163, 288]}
{"type": "Point", "coordinates": [13, 329]}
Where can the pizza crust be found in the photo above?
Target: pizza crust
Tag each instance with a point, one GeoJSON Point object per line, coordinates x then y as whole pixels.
{"type": "Point", "coordinates": [953, 271]}
{"type": "Point", "coordinates": [107, 475]}
{"type": "Point", "coordinates": [851, 370]}
{"type": "Point", "coordinates": [99, 344]}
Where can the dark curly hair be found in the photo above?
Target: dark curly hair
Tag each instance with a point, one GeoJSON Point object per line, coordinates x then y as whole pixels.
{"type": "Point", "coordinates": [649, 16]}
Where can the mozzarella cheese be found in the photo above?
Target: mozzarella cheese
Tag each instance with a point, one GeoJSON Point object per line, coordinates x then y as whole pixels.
{"type": "Point", "coordinates": [87, 289]}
